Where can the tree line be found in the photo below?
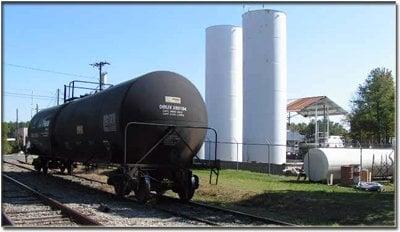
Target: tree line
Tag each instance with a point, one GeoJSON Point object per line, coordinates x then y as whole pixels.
{"type": "Point", "coordinates": [308, 129]}
{"type": "Point", "coordinates": [8, 130]}
{"type": "Point", "coordinates": [372, 118]}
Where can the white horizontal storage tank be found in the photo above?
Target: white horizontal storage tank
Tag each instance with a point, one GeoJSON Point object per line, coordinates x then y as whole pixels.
{"type": "Point", "coordinates": [319, 163]}
{"type": "Point", "coordinates": [264, 85]}
{"type": "Point", "coordinates": [224, 97]}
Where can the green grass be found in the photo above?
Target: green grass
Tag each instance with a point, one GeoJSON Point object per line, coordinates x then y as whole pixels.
{"type": "Point", "coordinates": [304, 203]}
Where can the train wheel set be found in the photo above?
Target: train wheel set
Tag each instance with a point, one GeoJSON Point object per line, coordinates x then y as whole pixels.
{"type": "Point", "coordinates": [143, 180]}
{"type": "Point", "coordinates": [42, 164]}
{"type": "Point", "coordinates": [138, 179]}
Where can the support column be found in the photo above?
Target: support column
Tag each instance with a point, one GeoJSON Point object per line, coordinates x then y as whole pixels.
{"type": "Point", "coordinates": [316, 127]}
{"type": "Point", "coordinates": [327, 122]}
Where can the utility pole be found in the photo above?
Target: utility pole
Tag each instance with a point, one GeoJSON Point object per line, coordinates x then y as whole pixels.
{"type": "Point", "coordinates": [99, 65]}
{"type": "Point", "coordinates": [58, 96]}
{"type": "Point", "coordinates": [37, 108]}
{"type": "Point", "coordinates": [16, 129]}
{"type": "Point", "coordinates": [32, 104]}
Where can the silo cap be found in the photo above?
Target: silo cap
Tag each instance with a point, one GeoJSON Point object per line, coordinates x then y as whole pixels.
{"type": "Point", "coordinates": [263, 10]}
{"type": "Point", "coordinates": [222, 26]}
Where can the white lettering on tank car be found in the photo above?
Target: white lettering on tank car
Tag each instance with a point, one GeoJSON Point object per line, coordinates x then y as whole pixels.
{"type": "Point", "coordinates": [172, 110]}
{"type": "Point", "coordinates": [79, 130]}
{"type": "Point", "coordinates": [109, 122]}
{"type": "Point", "coordinates": [170, 99]}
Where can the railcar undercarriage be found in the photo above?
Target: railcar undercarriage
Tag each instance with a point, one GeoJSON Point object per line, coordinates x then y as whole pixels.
{"type": "Point", "coordinates": [141, 179]}
{"type": "Point", "coordinates": [44, 164]}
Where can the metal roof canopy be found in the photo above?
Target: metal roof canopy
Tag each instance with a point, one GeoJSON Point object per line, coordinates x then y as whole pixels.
{"type": "Point", "coordinates": [307, 106]}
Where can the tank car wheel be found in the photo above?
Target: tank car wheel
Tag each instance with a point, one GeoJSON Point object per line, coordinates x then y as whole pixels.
{"type": "Point", "coordinates": [37, 164]}
{"type": "Point", "coordinates": [37, 168]}
{"type": "Point", "coordinates": [45, 169]}
{"type": "Point", "coordinates": [142, 193]}
{"type": "Point", "coordinates": [69, 167]}
{"type": "Point", "coordinates": [121, 189]}
{"type": "Point", "coordinates": [45, 165]}
{"type": "Point", "coordinates": [186, 194]}
{"type": "Point", "coordinates": [188, 188]}
{"type": "Point", "coordinates": [160, 192]}
{"type": "Point", "coordinates": [62, 169]}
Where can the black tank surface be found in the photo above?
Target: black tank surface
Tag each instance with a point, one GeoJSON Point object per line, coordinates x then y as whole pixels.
{"type": "Point", "coordinates": [91, 129]}
{"type": "Point", "coordinates": [40, 132]}
{"type": "Point", "coordinates": [163, 117]}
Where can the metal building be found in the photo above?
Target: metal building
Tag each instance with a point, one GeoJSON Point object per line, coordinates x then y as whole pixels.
{"type": "Point", "coordinates": [315, 107]}
{"type": "Point", "coordinates": [264, 85]}
{"type": "Point", "coordinates": [224, 89]}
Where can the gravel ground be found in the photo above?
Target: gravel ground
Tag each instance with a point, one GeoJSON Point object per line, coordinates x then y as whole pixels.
{"type": "Point", "coordinates": [221, 217]}
{"type": "Point", "coordinates": [128, 213]}
{"type": "Point", "coordinates": [25, 210]}
{"type": "Point", "coordinates": [121, 212]}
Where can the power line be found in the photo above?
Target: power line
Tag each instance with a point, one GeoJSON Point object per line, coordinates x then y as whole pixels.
{"type": "Point", "coordinates": [25, 94]}
{"type": "Point", "coordinates": [28, 95]}
{"type": "Point", "coordinates": [51, 101]}
{"type": "Point", "coordinates": [50, 71]}
{"type": "Point", "coordinates": [29, 90]}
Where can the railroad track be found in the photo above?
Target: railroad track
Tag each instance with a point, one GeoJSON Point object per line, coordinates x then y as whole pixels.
{"type": "Point", "coordinates": [207, 214]}
{"type": "Point", "coordinates": [111, 195]}
{"type": "Point", "coordinates": [24, 206]}
{"type": "Point", "coordinates": [230, 214]}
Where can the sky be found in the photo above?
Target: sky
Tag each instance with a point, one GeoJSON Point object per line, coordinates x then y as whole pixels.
{"type": "Point", "coordinates": [331, 48]}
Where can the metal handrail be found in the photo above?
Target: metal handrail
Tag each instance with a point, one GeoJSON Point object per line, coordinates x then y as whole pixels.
{"type": "Point", "coordinates": [72, 86]}
{"type": "Point", "coordinates": [167, 125]}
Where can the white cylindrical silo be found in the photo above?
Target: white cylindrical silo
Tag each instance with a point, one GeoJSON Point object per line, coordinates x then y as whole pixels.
{"type": "Point", "coordinates": [319, 163]}
{"type": "Point", "coordinates": [264, 85]}
{"type": "Point", "coordinates": [224, 91]}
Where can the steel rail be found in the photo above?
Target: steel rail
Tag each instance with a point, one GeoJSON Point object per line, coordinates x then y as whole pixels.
{"type": "Point", "coordinates": [195, 204]}
{"type": "Point", "coordinates": [78, 176]}
{"type": "Point", "coordinates": [6, 220]}
{"type": "Point", "coordinates": [71, 213]}
{"type": "Point", "coordinates": [30, 169]}
{"type": "Point", "coordinates": [178, 214]}
{"type": "Point", "coordinates": [230, 211]}
{"type": "Point", "coordinates": [235, 212]}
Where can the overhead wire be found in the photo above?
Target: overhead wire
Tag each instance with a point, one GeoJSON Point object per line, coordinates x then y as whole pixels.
{"type": "Point", "coordinates": [49, 71]}
{"type": "Point", "coordinates": [29, 90]}
{"type": "Point", "coordinates": [28, 95]}
{"type": "Point", "coordinates": [52, 101]}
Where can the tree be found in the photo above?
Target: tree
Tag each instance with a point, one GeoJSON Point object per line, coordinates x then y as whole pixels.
{"type": "Point", "coordinates": [372, 115]}
{"type": "Point", "coordinates": [4, 135]}
{"type": "Point", "coordinates": [12, 127]}
{"type": "Point", "coordinates": [300, 127]}
{"type": "Point", "coordinates": [9, 131]}
{"type": "Point", "coordinates": [309, 129]}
